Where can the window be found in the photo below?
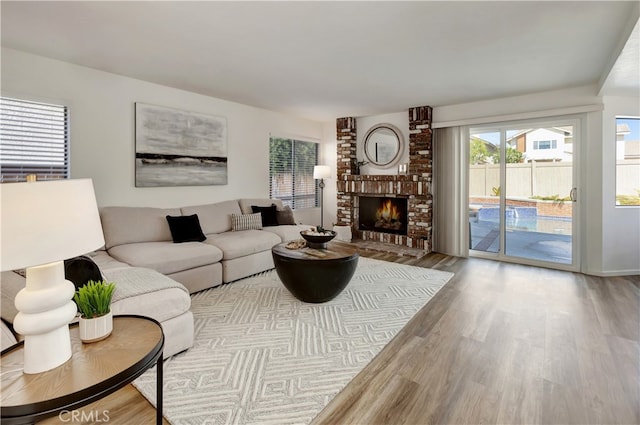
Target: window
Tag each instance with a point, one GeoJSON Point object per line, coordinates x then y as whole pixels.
{"type": "Point", "coordinates": [545, 144]}
{"type": "Point", "coordinates": [291, 179]}
{"type": "Point", "coordinates": [627, 161]}
{"type": "Point", "coordinates": [34, 139]}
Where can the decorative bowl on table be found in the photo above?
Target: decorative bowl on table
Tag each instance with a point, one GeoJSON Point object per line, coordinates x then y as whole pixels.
{"type": "Point", "coordinates": [316, 239]}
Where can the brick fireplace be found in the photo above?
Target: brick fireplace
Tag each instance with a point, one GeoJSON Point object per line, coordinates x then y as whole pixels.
{"type": "Point", "coordinates": [415, 186]}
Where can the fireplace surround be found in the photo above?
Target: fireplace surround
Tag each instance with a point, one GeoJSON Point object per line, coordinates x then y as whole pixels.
{"type": "Point", "coordinates": [415, 186]}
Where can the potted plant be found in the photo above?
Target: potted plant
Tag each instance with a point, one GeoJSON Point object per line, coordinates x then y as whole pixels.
{"type": "Point", "coordinates": [94, 305]}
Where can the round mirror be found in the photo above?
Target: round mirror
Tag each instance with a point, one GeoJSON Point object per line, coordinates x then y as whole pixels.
{"type": "Point", "coordinates": [383, 144]}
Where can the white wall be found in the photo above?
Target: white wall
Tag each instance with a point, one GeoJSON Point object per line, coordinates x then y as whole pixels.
{"type": "Point", "coordinates": [102, 130]}
{"type": "Point", "coordinates": [537, 105]}
{"type": "Point", "coordinates": [102, 144]}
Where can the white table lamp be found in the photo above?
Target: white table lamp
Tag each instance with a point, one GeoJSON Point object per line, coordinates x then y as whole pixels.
{"type": "Point", "coordinates": [321, 172]}
{"type": "Point", "coordinates": [42, 224]}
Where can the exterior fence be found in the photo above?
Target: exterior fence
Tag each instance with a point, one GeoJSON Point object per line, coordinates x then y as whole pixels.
{"type": "Point", "coordinates": [628, 177]}
{"type": "Point", "coordinates": [543, 179]}
{"type": "Point", "coordinates": [298, 192]}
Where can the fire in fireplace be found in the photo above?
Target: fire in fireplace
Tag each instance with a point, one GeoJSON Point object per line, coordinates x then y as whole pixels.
{"type": "Point", "coordinates": [383, 214]}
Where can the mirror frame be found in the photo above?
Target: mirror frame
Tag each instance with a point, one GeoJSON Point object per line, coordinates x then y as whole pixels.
{"type": "Point", "coordinates": [399, 138]}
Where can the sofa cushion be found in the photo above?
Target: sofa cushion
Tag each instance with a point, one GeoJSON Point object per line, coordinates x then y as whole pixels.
{"type": "Point", "coordinates": [246, 222]}
{"type": "Point", "coordinates": [287, 232]}
{"type": "Point", "coordinates": [245, 204]}
{"type": "Point", "coordinates": [268, 214]}
{"type": "Point", "coordinates": [244, 242]}
{"type": "Point", "coordinates": [185, 228]}
{"type": "Point", "coordinates": [214, 218]}
{"type": "Point", "coordinates": [124, 225]}
{"type": "Point", "coordinates": [105, 261]}
{"type": "Point", "coordinates": [167, 257]}
{"type": "Point", "coordinates": [148, 293]}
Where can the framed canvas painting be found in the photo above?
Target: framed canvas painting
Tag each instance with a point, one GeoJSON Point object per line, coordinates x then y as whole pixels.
{"type": "Point", "coordinates": [179, 148]}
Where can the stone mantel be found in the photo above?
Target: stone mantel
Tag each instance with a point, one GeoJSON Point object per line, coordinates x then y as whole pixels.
{"type": "Point", "coordinates": [384, 185]}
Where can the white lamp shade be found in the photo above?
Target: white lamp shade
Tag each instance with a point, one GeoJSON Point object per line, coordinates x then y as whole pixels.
{"type": "Point", "coordinates": [48, 221]}
{"type": "Point", "coordinates": [321, 172]}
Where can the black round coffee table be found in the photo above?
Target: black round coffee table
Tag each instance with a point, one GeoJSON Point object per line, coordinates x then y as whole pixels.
{"type": "Point", "coordinates": [315, 275]}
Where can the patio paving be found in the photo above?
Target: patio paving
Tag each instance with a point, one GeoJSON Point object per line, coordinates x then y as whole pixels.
{"type": "Point", "coordinates": [555, 248]}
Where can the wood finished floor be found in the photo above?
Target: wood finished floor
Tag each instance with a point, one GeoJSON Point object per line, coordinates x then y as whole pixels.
{"type": "Point", "coordinates": [499, 344]}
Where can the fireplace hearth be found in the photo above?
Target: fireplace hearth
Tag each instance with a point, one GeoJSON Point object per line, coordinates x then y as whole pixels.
{"type": "Point", "coordinates": [383, 214]}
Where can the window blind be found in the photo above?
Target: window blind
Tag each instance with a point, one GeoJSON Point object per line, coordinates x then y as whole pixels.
{"type": "Point", "coordinates": [291, 179]}
{"type": "Point", "coordinates": [34, 139]}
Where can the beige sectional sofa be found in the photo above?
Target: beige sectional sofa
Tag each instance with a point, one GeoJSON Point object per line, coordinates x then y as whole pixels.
{"type": "Point", "coordinates": [154, 276]}
{"type": "Point", "coordinates": [140, 237]}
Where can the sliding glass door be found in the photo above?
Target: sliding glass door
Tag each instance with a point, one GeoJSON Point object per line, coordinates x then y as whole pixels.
{"type": "Point", "coordinates": [522, 192]}
{"type": "Point", "coordinates": [485, 218]}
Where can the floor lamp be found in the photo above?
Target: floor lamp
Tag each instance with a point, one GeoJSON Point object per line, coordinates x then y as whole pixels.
{"type": "Point", "coordinates": [42, 224]}
{"type": "Point", "coordinates": [321, 172]}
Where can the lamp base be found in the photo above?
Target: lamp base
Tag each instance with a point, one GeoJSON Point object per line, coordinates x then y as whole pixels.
{"type": "Point", "coordinates": [46, 351]}
{"type": "Point", "coordinates": [45, 310]}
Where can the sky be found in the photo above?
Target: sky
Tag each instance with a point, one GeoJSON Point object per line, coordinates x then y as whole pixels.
{"type": "Point", "coordinates": [634, 125]}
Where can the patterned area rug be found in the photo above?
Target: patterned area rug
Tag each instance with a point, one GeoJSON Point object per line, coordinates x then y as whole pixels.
{"type": "Point", "coordinates": [263, 357]}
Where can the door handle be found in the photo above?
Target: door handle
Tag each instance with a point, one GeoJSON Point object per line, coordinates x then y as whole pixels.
{"type": "Point", "coordinates": [574, 194]}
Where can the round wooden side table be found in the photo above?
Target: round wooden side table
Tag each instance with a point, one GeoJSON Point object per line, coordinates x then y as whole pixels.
{"type": "Point", "coordinates": [94, 371]}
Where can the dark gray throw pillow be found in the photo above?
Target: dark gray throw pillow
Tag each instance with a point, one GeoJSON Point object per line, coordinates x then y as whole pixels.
{"type": "Point", "coordinates": [268, 214]}
{"type": "Point", "coordinates": [285, 216]}
{"type": "Point", "coordinates": [81, 270]}
{"type": "Point", "coordinates": [185, 228]}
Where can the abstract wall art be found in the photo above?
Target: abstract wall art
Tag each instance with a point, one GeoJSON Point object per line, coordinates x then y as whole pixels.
{"type": "Point", "coordinates": [179, 148]}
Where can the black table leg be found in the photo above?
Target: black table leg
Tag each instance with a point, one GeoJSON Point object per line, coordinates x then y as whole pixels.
{"type": "Point", "coordinates": [159, 374]}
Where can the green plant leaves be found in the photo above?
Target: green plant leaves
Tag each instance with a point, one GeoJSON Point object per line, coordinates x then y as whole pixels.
{"type": "Point", "coordinates": [94, 298]}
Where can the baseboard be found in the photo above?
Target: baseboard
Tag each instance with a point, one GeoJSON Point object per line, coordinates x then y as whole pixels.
{"type": "Point", "coordinates": [612, 273]}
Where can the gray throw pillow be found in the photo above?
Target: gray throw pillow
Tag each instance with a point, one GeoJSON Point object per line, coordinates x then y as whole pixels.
{"type": "Point", "coordinates": [285, 216]}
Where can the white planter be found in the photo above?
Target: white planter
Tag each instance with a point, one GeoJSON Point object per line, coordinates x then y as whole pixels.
{"type": "Point", "coordinates": [96, 329]}
{"type": "Point", "coordinates": [343, 233]}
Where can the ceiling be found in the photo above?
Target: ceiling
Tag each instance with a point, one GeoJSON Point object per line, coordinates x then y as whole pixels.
{"type": "Point", "coordinates": [323, 60]}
